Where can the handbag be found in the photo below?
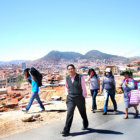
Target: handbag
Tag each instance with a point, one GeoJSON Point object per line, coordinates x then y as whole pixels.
{"type": "Point", "coordinates": [134, 96]}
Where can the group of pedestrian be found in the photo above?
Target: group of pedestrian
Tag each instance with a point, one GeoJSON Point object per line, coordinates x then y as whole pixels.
{"type": "Point", "coordinates": [108, 86]}
{"type": "Point", "coordinates": [76, 93]}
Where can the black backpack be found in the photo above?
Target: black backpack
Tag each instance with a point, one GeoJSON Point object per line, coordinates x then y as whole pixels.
{"type": "Point", "coordinates": [37, 75]}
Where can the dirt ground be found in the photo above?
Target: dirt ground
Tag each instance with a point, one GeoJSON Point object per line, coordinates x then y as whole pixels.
{"type": "Point", "coordinates": [11, 122]}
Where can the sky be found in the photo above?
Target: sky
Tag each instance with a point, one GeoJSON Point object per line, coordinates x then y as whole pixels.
{"type": "Point", "coordinates": [29, 29]}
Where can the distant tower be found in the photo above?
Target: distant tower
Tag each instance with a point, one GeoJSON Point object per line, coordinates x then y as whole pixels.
{"type": "Point", "coordinates": [24, 66]}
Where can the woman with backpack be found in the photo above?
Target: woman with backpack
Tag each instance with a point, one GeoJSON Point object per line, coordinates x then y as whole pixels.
{"type": "Point", "coordinates": [109, 86]}
{"type": "Point", "coordinates": [94, 81]}
{"type": "Point", "coordinates": [127, 85]}
{"type": "Point", "coordinates": [32, 78]}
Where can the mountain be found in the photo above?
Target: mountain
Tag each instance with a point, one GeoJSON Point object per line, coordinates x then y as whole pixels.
{"type": "Point", "coordinates": [57, 55]}
{"type": "Point", "coordinates": [137, 56]}
{"type": "Point", "coordinates": [12, 62]}
{"type": "Point", "coordinates": [91, 55]}
{"type": "Point", "coordinates": [95, 54]}
{"type": "Point", "coordinates": [98, 55]}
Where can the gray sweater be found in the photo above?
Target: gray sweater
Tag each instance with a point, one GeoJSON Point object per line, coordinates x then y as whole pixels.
{"type": "Point", "coordinates": [108, 83]}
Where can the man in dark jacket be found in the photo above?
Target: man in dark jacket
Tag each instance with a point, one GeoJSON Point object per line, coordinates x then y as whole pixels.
{"type": "Point", "coordinates": [76, 94]}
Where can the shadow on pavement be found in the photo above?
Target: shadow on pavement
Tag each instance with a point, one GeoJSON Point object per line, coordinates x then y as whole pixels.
{"type": "Point", "coordinates": [100, 131]}
{"type": "Point", "coordinates": [59, 111]}
{"type": "Point", "coordinates": [118, 112]}
{"type": "Point", "coordinates": [110, 110]}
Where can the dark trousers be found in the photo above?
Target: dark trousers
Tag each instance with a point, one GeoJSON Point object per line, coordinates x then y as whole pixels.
{"type": "Point", "coordinates": [71, 104]}
{"type": "Point", "coordinates": [94, 94]}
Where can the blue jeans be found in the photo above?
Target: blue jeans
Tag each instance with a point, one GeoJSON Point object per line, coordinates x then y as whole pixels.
{"type": "Point", "coordinates": [34, 96]}
{"type": "Point", "coordinates": [110, 93]}
{"type": "Point", "coordinates": [94, 94]}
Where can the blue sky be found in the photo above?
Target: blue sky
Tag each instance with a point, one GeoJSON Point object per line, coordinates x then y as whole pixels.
{"type": "Point", "coordinates": [29, 29]}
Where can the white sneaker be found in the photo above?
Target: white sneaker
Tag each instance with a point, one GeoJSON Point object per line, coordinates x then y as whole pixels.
{"type": "Point", "coordinates": [42, 110]}
{"type": "Point", "coordinates": [24, 110]}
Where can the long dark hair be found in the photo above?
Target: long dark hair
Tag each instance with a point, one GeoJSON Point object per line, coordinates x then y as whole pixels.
{"type": "Point", "coordinates": [90, 70]}
{"type": "Point", "coordinates": [27, 72]}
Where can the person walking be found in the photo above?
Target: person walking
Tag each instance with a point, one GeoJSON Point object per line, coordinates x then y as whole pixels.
{"type": "Point", "coordinates": [35, 89]}
{"type": "Point", "coordinates": [109, 86]}
{"type": "Point", "coordinates": [127, 85]}
{"type": "Point", "coordinates": [76, 94]}
{"type": "Point", "coordinates": [94, 85]}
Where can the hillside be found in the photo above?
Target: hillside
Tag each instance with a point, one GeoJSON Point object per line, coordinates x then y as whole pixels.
{"type": "Point", "coordinates": [93, 54]}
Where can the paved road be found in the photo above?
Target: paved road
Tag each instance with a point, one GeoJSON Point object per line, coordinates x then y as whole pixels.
{"type": "Point", "coordinates": [111, 126]}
